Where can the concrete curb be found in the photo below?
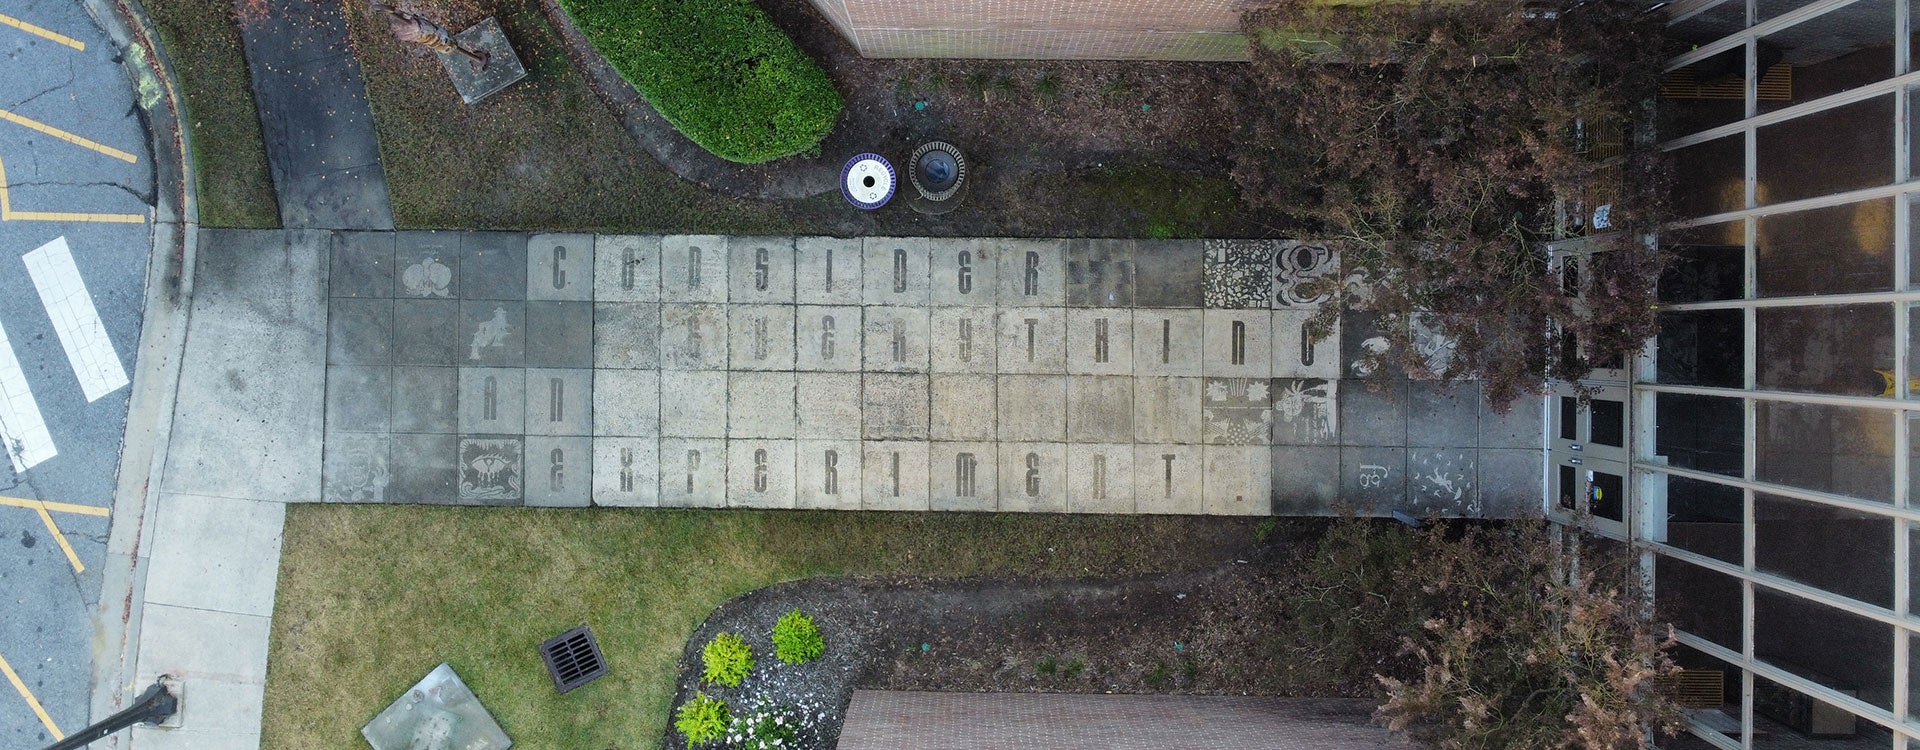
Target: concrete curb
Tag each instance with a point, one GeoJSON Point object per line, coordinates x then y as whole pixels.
{"type": "Point", "coordinates": [157, 368]}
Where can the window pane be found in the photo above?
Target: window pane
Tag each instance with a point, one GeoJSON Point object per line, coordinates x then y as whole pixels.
{"type": "Point", "coordinates": [1705, 94]}
{"type": "Point", "coordinates": [1697, 600]}
{"type": "Point", "coordinates": [1831, 647]}
{"type": "Point", "coordinates": [1787, 719]}
{"type": "Point", "coordinates": [1711, 24]}
{"type": "Point", "coordinates": [1705, 518]}
{"type": "Point", "coordinates": [1608, 495]}
{"type": "Point", "coordinates": [1703, 347]}
{"type": "Point", "coordinates": [1847, 47]}
{"type": "Point", "coordinates": [1850, 554]}
{"type": "Point", "coordinates": [1842, 349]}
{"type": "Point", "coordinates": [1845, 248]}
{"type": "Point", "coordinates": [1607, 422]}
{"type": "Point", "coordinates": [1700, 432]}
{"type": "Point", "coordinates": [1709, 689]}
{"type": "Point", "coordinates": [1711, 177]}
{"type": "Point", "coordinates": [1708, 263]}
{"type": "Point", "coordinates": [1569, 418]}
{"type": "Point", "coordinates": [1838, 449]}
{"type": "Point", "coordinates": [1827, 152]}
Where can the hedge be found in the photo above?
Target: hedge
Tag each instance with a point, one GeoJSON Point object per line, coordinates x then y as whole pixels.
{"type": "Point", "coordinates": [719, 70]}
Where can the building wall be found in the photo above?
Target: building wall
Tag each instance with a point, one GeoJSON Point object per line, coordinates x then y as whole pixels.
{"type": "Point", "coordinates": [1042, 29]}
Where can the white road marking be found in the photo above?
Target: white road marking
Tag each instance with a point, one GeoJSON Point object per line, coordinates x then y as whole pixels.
{"type": "Point", "coordinates": [75, 318]}
{"type": "Point", "coordinates": [25, 432]}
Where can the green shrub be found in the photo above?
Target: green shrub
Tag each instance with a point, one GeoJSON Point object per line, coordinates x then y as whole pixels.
{"type": "Point", "coordinates": [719, 70]}
{"type": "Point", "coordinates": [728, 659]}
{"type": "Point", "coordinates": [796, 640]}
{"type": "Point", "coordinates": [703, 719]}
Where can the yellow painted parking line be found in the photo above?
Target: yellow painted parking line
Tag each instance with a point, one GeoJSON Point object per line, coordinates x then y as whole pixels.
{"type": "Point", "coordinates": [66, 136]}
{"type": "Point", "coordinates": [6, 20]}
{"type": "Point", "coordinates": [8, 214]}
{"type": "Point", "coordinates": [54, 529]}
{"type": "Point", "coordinates": [85, 510]}
{"type": "Point", "coordinates": [31, 701]}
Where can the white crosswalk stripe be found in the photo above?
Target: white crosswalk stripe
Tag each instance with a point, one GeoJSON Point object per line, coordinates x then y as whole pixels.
{"type": "Point", "coordinates": [95, 364]}
{"type": "Point", "coordinates": [21, 426]}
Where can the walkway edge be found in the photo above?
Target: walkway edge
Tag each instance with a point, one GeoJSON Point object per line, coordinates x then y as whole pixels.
{"type": "Point", "coordinates": [157, 360]}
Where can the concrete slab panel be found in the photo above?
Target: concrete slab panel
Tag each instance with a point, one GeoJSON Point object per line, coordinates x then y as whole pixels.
{"type": "Point", "coordinates": [693, 268]}
{"type": "Point", "coordinates": [359, 399]}
{"type": "Point", "coordinates": [1306, 411]}
{"type": "Point", "coordinates": [895, 271]}
{"type": "Point", "coordinates": [1373, 412]}
{"type": "Point", "coordinates": [1166, 410]}
{"type": "Point", "coordinates": [1033, 273]}
{"type": "Point", "coordinates": [493, 400]}
{"type": "Point", "coordinates": [1032, 407]}
{"type": "Point", "coordinates": [362, 265]}
{"type": "Point", "coordinates": [1099, 342]}
{"type": "Point", "coordinates": [827, 271]}
{"type": "Point", "coordinates": [559, 334]}
{"type": "Point", "coordinates": [560, 267]}
{"type": "Point", "coordinates": [1238, 274]}
{"type": "Point", "coordinates": [895, 475]}
{"type": "Point", "coordinates": [359, 331]}
{"type": "Point", "coordinates": [1374, 480]}
{"type": "Point", "coordinates": [1100, 478]}
{"type": "Point", "coordinates": [964, 272]}
{"type": "Point", "coordinates": [760, 404]}
{"type": "Point", "coordinates": [1520, 427]}
{"type": "Point", "coordinates": [216, 553]}
{"type": "Point", "coordinates": [626, 403]}
{"type": "Point", "coordinates": [426, 399]}
{"type": "Point", "coordinates": [1033, 477]}
{"type": "Point", "coordinates": [1296, 351]}
{"type": "Point", "coordinates": [693, 473]}
{"type": "Point", "coordinates": [1100, 273]}
{"type": "Point", "coordinates": [1238, 480]}
{"type": "Point", "coordinates": [827, 474]}
{"type": "Point", "coordinates": [355, 468]}
{"type": "Point", "coordinates": [895, 407]}
{"type": "Point", "coordinates": [1510, 484]}
{"type": "Point", "coordinates": [896, 339]}
{"type": "Point", "coordinates": [1033, 340]}
{"type": "Point", "coordinates": [1444, 481]}
{"type": "Point", "coordinates": [1236, 411]}
{"type": "Point", "coordinates": [428, 332]}
{"type": "Point", "coordinates": [964, 339]}
{"type": "Point", "coordinates": [1237, 344]}
{"type": "Point", "coordinates": [493, 333]}
{"type": "Point", "coordinates": [1299, 273]}
{"type": "Point", "coordinates": [1167, 342]}
{"type": "Point", "coordinates": [492, 470]}
{"type": "Point", "coordinates": [423, 469]}
{"type": "Point", "coordinates": [559, 472]}
{"type": "Point", "coordinates": [693, 337]}
{"type": "Point", "coordinates": [559, 402]}
{"type": "Point", "coordinates": [963, 476]}
{"type": "Point", "coordinates": [1168, 479]}
{"type": "Point", "coordinates": [493, 265]}
{"type": "Point", "coordinates": [963, 407]}
{"type": "Point", "coordinates": [626, 335]}
{"type": "Point", "coordinates": [626, 268]}
{"type": "Point", "coordinates": [429, 263]}
{"type": "Point", "coordinates": [1099, 409]}
{"type": "Point", "coordinates": [760, 270]}
{"type": "Point", "coordinates": [626, 472]}
{"type": "Point", "coordinates": [827, 338]}
{"type": "Point", "coordinates": [693, 404]}
{"type": "Point", "coordinates": [1169, 273]}
{"type": "Point", "coordinates": [212, 650]}
{"type": "Point", "coordinates": [827, 406]}
{"type": "Point", "coordinates": [1443, 416]}
{"type": "Point", "coordinates": [760, 473]}
{"type": "Point", "coordinates": [762, 336]}
{"type": "Point", "coordinates": [1306, 480]}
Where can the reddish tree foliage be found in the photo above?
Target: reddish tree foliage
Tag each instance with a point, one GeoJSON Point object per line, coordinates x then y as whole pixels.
{"type": "Point", "coordinates": [1441, 143]}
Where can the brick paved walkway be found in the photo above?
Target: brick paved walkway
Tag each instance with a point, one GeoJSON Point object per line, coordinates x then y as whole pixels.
{"type": "Point", "coordinates": [879, 373]}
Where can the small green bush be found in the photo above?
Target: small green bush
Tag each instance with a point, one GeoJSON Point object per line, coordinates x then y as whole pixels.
{"type": "Point", "coordinates": [728, 659]}
{"type": "Point", "coordinates": [703, 719]}
{"type": "Point", "coordinates": [765, 729]}
{"type": "Point", "coordinates": [796, 640]}
{"type": "Point", "coordinates": [720, 70]}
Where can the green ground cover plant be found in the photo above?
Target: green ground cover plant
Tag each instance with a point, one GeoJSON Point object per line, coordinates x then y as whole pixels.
{"type": "Point", "coordinates": [703, 719]}
{"type": "Point", "coordinates": [719, 70]}
{"type": "Point", "coordinates": [796, 639]}
{"type": "Point", "coordinates": [372, 597]}
{"type": "Point", "coordinates": [231, 179]}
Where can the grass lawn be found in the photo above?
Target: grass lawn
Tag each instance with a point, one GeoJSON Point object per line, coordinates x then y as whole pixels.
{"type": "Point", "coordinates": [231, 177]}
{"type": "Point", "coordinates": [372, 597]}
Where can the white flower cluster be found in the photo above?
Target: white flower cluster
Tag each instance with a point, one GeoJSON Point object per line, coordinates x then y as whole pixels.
{"type": "Point", "coordinates": [770, 726]}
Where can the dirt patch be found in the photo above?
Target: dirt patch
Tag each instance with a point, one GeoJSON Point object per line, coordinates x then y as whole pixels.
{"type": "Point", "coordinates": [1214, 632]}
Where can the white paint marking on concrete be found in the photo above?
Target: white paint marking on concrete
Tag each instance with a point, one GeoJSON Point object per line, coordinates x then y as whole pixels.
{"type": "Point", "coordinates": [68, 304]}
{"type": "Point", "coordinates": [25, 432]}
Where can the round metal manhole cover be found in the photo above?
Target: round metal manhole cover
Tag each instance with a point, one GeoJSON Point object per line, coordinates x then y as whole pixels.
{"type": "Point", "coordinates": [937, 169]}
{"type": "Point", "coordinates": [867, 181]}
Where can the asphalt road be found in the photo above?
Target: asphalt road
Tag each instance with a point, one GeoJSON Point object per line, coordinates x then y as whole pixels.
{"type": "Point", "coordinates": [79, 177]}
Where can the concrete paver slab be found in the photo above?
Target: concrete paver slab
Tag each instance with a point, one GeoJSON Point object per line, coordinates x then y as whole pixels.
{"type": "Point", "coordinates": [216, 553]}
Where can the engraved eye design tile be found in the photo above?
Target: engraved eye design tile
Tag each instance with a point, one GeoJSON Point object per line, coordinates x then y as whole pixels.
{"type": "Point", "coordinates": [491, 470]}
{"type": "Point", "coordinates": [1236, 411]}
{"type": "Point", "coordinates": [1238, 274]}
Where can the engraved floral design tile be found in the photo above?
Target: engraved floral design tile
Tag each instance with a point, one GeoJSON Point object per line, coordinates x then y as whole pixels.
{"type": "Point", "coordinates": [1236, 411]}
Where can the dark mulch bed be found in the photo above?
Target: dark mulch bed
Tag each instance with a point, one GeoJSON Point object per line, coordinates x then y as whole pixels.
{"type": "Point", "coordinates": [1217, 632]}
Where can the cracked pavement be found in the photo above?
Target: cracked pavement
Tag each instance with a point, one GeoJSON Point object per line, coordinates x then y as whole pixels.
{"type": "Point", "coordinates": [47, 631]}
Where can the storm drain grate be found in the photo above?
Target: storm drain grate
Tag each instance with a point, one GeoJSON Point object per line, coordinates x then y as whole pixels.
{"type": "Point", "coordinates": [573, 658]}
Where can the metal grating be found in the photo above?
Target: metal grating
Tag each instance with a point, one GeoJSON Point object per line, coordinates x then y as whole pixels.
{"type": "Point", "coordinates": [1776, 85]}
{"type": "Point", "coordinates": [573, 658]}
